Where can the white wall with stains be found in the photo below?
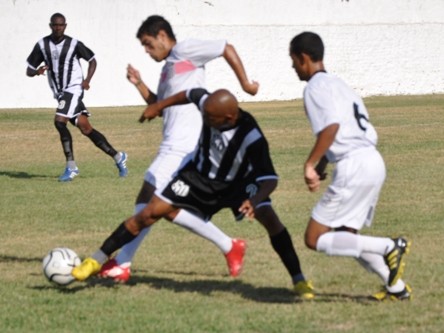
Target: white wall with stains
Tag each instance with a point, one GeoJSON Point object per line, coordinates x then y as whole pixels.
{"type": "Point", "coordinates": [379, 47]}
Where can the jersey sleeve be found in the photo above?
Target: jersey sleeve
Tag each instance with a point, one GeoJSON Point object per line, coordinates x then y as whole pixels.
{"type": "Point", "coordinates": [198, 97]}
{"type": "Point", "coordinates": [259, 155]}
{"type": "Point", "coordinates": [320, 109]}
{"type": "Point", "coordinates": [199, 52]}
{"type": "Point", "coordinates": [84, 52]}
{"type": "Point", "coordinates": [36, 57]}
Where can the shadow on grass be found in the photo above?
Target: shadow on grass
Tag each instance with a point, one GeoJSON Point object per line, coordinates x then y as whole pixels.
{"type": "Point", "coordinates": [7, 259]}
{"type": "Point", "coordinates": [275, 295]}
{"type": "Point", "coordinates": [203, 286]}
{"type": "Point", "coordinates": [22, 175]}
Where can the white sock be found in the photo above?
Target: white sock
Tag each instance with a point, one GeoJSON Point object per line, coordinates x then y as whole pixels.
{"type": "Point", "coordinates": [128, 251]}
{"type": "Point", "coordinates": [375, 263]}
{"type": "Point", "coordinates": [377, 245]}
{"type": "Point", "coordinates": [117, 157]}
{"type": "Point", "coordinates": [100, 257]}
{"type": "Point", "coordinates": [343, 243]}
{"type": "Point", "coordinates": [340, 243]}
{"type": "Point", "coordinates": [205, 229]}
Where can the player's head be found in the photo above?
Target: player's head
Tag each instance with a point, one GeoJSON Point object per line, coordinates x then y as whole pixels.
{"type": "Point", "coordinates": [221, 110]}
{"type": "Point", "coordinates": [306, 49]}
{"type": "Point", "coordinates": [157, 37]}
{"type": "Point", "coordinates": [57, 24]}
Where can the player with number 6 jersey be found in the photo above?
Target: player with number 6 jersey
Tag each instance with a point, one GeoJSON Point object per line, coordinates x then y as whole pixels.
{"type": "Point", "coordinates": [345, 137]}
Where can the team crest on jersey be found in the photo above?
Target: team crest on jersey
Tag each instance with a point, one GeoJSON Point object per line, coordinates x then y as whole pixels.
{"type": "Point", "coordinates": [217, 142]}
{"type": "Point", "coordinates": [251, 190]}
{"type": "Point", "coordinates": [62, 104]}
{"type": "Point", "coordinates": [180, 188]}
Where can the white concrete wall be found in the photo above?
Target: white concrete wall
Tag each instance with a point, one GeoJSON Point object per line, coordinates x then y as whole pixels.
{"type": "Point", "coordinates": [380, 47]}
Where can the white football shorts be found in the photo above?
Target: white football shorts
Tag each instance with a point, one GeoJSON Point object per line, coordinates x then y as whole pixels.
{"type": "Point", "coordinates": [350, 200]}
{"type": "Point", "coordinates": [164, 167]}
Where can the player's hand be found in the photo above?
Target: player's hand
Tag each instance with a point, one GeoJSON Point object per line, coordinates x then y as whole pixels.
{"type": "Point", "coordinates": [151, 112]}
{"type": "Point", "coordinates": [133, 75]}
{"type": "Point", "coordinates": [251, 87]}
{"type": "Point", "coordinates": [312, 178]}
{"type": "Point", "coordinates": [41, 70]}
{"type": "Point", "coordinates": [247, 209]}
{"type": "Point", "coordinates": [85, 85]}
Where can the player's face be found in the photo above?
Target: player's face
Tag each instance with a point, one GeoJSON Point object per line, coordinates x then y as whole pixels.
{"type": "Point", "coordinates": [297, 64]}
{"type": "Point", "coordinates": [216, 121]}
{"type": "Point", "coordinates": [156, 47]}
{"type": "Point", "coordinates": [58, 26]}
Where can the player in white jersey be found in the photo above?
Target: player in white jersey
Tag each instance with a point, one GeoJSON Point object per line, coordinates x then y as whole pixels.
{"type": "Point", "coordinates": [183, 69]}
{"type": "Point", "coordinates": [61, 55]}
{"type": "Point", "coordinates": [345, 137]}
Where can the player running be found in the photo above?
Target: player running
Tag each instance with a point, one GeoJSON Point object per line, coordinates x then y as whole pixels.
{"type": "Point", "coordinates": [184, 68]}
{"type": "Point", "coordinates": [61, 55]}
{"type": "Point", "coordinates": [345, 137]}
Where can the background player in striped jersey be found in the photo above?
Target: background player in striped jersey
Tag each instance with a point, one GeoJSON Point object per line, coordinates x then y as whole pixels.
{"type": "Point", "coordinates": [184, 68]}
{"type": "Point", "coordinates": [231, 168]}
{"type": "Point", "coordinates": [61, 55]}
{"type": "Point", "coordinates": [344, 136]}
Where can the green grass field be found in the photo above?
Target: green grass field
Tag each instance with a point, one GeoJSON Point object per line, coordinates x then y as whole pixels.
{"type": "Point", "coordinates": [180, 282]}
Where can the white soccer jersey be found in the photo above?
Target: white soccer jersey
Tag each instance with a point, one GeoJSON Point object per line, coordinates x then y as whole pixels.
{"type": "Point", "coordinates": [185, 69]}
{"type": "Point", "coordinates": [328, 100]}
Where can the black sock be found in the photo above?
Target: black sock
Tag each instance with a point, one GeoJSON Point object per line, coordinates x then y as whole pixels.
{"type": "Point", "coordinates": [100, 141]}
{"type": "Point", "coordinates": [66, 139]}
{"type": "Point", "coordinates": [283, 246]}
{"type": "Point", "coordinates": [118, 238]}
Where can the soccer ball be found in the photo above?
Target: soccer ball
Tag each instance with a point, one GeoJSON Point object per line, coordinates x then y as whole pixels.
{"type": "Point", "coordinates": [58, 264]}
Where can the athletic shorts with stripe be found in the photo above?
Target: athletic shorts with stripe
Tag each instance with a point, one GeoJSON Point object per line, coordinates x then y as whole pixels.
{"type": "Point", "coordinates": [71, 106]}
{"type": "Point", "coordinates": [205, 197]}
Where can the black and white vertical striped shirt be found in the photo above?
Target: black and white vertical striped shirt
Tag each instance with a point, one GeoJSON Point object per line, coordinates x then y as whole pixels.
{"type": "Point", "coordinates": [62, 59]}
{"type": "Point", "coordinates": [234, 154]}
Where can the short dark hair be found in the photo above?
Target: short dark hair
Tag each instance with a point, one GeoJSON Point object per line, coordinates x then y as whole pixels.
{"type": "Point", "coordinates": [153, 24]}
{"type": "Point", "coordinates": [308, 43]}
{"type": "Point", "coordinates": [57, 15]}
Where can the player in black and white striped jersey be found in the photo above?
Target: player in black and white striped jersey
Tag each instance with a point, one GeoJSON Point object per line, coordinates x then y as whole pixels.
{"type": "Point", "coordinates": [61, 55]}
{"type": "Point", "coordinates": [231, 168]}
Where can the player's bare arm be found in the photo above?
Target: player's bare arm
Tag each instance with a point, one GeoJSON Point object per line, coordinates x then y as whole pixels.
{"type": "Point", "coordinates": [92, 65]}
{"type": "Point", "coordinates": [155, 110]}
{"type": "Point", "coordinates": [133, 76]}
{"type": "Point", "coordinates": [231, 56]}
{"type": "Point", "coordinates": [324, 140]}
{"type": "Point", "coordinates": [35, 72]}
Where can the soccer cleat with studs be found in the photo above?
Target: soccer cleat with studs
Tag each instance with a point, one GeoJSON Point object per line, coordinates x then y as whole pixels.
{"type": "Point", "coordinates": [304, 290]}
{"type": "Point", "coordinates": [385, 295]}
{"type": "Point", "coordinates": [121, 165]}
{"type": "Point", "coordinates": [235, 258]}
{"type": "Point", "coordinates": [394, 259]}
{"type": "Point", "coordinates": [88, 267]}
{"type": "Point", "coordinates": [112, 270]}
{"type": "Point", "coordinates": [69, 174]}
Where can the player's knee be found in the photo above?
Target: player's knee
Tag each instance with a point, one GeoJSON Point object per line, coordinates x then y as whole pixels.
{"type": "Point", "coordinates": [85, 130]}
{"type": "Point", "coordinates": [60, 125]}
{"type": "Point", "coordinates": [310, 241]}
{"type": "Point", "coordinates": [146, 217]}
{"type": "Point", "coordinates": [63, 130]}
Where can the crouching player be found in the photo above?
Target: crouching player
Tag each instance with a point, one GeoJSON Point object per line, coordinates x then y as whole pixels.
{"type": "Point", "coordinates": [231, 168]}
